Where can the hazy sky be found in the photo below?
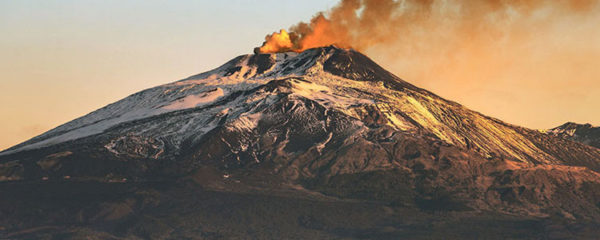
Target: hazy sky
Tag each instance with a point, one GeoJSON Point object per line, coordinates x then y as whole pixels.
{"type": "Point", "coordinates": [62, 59]}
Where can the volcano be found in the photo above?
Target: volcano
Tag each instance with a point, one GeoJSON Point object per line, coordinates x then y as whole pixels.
{"type": "Point", "coordinates": [321, 144]}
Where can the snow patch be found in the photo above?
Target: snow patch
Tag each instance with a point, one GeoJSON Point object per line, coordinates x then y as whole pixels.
{"type": "Point", "coordinates": [321, 145]}
{"type": "Point", "coordinates": [246, 122]}
{"type": "Point", "coordinates": [326, 96]}
{"type": "Point", "coordinates": [192, 101]}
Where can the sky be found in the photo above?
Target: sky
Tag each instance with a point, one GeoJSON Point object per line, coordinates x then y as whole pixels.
{"type": "Point", "coordinates": [60, 60]}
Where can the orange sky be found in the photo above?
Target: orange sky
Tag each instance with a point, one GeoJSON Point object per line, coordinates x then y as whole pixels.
{"type": "Point", "coordinates": [537, 68]}
{"type": "Point", "coordinates": [62, 59]}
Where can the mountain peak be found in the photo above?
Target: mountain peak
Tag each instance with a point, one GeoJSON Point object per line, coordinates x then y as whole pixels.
{"type": "Point", "coordinates": [328, 65]}
{"type": "Point", "coordinates": [328, 122]}
{"type": "Point", "coordinates": [340, 80]}
{"type": "Point", "coordinates": [571, 127]}
{"type": "Point", "coordinates": [321, 61]}
{"type": "Point", "coordinates": [583, 133]}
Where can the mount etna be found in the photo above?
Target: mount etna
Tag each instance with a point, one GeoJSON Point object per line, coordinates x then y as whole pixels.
{"type": "Point", "coordinates": [319, 144]}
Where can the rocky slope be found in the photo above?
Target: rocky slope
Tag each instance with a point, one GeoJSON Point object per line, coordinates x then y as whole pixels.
{"type": "Point", "coordinates": [327, 130]}
{"type": "Point", "coordinates": [583, 133]}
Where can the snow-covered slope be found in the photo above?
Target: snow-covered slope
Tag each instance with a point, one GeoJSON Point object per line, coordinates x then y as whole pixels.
{"type": "Point", "coordinates": [338, 79]}
{"type": "Point", "coordinates": [324, 122]}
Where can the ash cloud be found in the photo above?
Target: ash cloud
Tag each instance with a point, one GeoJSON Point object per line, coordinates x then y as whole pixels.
{"type": "Point", "coordinates": [361, 24]}
{"type": "Point", "coordinates": [514, 59]}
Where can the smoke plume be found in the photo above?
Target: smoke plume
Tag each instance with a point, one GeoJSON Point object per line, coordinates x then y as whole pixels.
{"type": "Point", "coordinates": [361, 24]}
{"type": "Point", "coordinates": [524, 61]}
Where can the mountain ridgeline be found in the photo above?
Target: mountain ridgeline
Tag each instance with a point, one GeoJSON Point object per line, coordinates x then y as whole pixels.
{"type": "Point", "coordinates": [583, 133]}
{"type": "Point", "coordinates": [321, 144]}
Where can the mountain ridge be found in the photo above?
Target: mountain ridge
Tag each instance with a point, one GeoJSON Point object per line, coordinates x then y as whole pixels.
{"type": "Point", "coordinates": [583, 133]}
{"type": "Point", "coordinates": [327, 124]}
{"type": "Point", "coordinates": [266, 67]}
